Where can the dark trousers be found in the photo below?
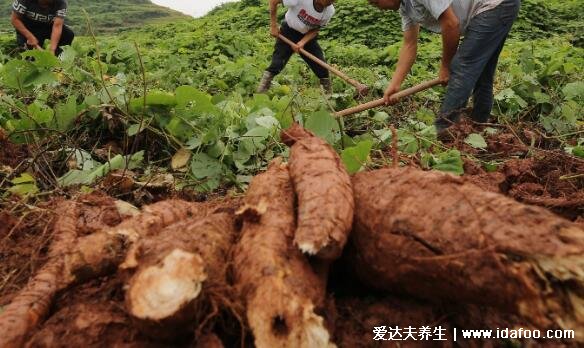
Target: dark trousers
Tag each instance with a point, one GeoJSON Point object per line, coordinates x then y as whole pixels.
{"type": "Point", "coordinates": [283, 52]}
{"type": "Point", "coordinates": [42, 31]}
{"type": "Point", "coordinates": [473, 67]}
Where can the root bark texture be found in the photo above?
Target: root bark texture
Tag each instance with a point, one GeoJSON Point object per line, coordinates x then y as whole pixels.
{"type": "Point", "coordinates": [432, 236]}
{"type": "Point", "coordinates": [324, 191]}
{"type": "Point", "coordinates": [274, 279]}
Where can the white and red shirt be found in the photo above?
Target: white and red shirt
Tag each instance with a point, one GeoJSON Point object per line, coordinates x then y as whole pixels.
{"type": "Point", "coordinates": [303, 17]}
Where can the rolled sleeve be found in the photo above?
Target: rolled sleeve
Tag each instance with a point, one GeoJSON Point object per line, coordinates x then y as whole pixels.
{"type": "Point", "coordinates": [290, 3]}
{"type": "Point", "coordinates": [407, 21]}
{"type": "Point", "coordinates": [436, 7]}
{"type": "Point", "coordinates": [18, 7]}
{"type": "Point", "coordinates": [62, 10]}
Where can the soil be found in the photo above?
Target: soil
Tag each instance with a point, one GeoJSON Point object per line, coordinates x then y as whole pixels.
{"type": "Point", "coordinates": [11, 154]}
{"type": "Point", "coordinates": [532, 175]}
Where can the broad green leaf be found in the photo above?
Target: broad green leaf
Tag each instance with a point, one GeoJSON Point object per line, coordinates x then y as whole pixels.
{"type": "Point", "coordinates": [574, 90]}
{"type": "Point", "coordinates": [355, 157]}
{"type": "Point", "coordinates": [24, 178]}
{"type": "Point", "coordinates": [39, 78]}
{"type": "Point", "coordinates": [42, 59]}
{"type": "Point", "coordinates": [16, 72]}
{"type": "Point", "coordinates": [160, 98]}
{"type": "Point", "coordinates": [65, 114]}
{"type": "Point", "coordinates": [81, 177]}
{"type": "Point", "coordinates": [40, 113]}
{"type": "Point", "coordinates": [450, 161]}
{"type": "Point", "coordinates": [476, 140]}
{"type": "Point", "coordinates": [203, 166]}
{"type": "Point", "coordinates": [24, 185]}
{"type": "Point", "coordinates": [24, 189]}
{"type": "Point", "coordinates": [324, 125]}
{"type": "Point", "coordinates": [267, 122]}
{"type": "Point", "coordinates": [578, 151]}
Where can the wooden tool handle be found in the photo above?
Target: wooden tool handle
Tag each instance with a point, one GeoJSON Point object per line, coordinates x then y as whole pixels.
{"type": "Point", "coordinates": [379, 102]}
{"type": "Point", "coordinates": [323, 64]}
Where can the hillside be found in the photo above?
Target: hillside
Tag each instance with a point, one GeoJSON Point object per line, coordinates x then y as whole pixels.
{"type": "Point", "coordinates": [479, 228]}
{"type": "Point", "coordinates": [106, 15]}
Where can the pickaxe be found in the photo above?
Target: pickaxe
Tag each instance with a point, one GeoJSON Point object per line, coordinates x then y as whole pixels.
{"type": "Point", "coordinates": [381, 102]}
{"type": "Point", "coordinates": [362, 89]}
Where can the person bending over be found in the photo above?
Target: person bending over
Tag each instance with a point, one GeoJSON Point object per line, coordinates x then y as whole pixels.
{"type": "Point", "coordinates": [469, 69]}
{"type": "Point", "coordinates": [38, 20]}
{"type": "Point", "coordinates": [302, 23]}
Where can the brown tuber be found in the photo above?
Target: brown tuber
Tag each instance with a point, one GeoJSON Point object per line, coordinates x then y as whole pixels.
{"type": "Point", "coordinates": [325, 194]}
{"type": "Point", "coordinates": [430, 235]}
{"type": "Point", "coordinates": [273, 278]}
{"type": "Point", "coordinates": [175, 272]}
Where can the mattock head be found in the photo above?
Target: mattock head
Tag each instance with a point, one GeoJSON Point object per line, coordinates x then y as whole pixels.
{"type": "Point", "coordinates": [362, 91]}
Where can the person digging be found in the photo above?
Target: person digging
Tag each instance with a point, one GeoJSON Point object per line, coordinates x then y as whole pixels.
{"type": "Point", "coordinates": [38, 20]}
{"type": "Point", "coordinates": [301, 25]}
{"type": "Point", "coordinates": [468, 69]}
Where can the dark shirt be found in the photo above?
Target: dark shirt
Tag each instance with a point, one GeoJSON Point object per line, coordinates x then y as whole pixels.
{"type": "Point", "coordinates": [30, 9]}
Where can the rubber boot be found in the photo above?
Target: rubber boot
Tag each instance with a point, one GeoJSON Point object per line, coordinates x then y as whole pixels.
{"type": "Point", "coordinates": [265, 82]}
{"type": "Point", "coordinates": [325, 82]}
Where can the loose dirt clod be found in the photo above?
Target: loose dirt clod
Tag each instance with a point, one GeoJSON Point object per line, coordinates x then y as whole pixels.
{"type": "Point", "coordinates": [273, 278]}
{"type": "Point", "coordinates": [432, 236]}
{"type": "Point", "coordinates": [179, 274]}
{"type": "Point", "coordinates": [325, 195]}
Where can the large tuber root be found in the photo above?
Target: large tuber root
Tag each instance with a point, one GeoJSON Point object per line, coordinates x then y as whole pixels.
{"type": "Point", "coordinates": [176, 272]}
{"type": "Point", "coordinates": [32, 304]}
{"type": "Point", "coordinates": [431, 235]}
{"type": "Point", "coordinates": [325, 194]}
{"type": "Point", "coordinates": [73, 260]}
{"type": "Point", "coordinates": [100, 253]}
{"type": "Point", "coordinates": [274, 279]}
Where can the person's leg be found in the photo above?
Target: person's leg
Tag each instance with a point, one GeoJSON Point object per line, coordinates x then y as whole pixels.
{"type": "Point", "coordinates": [280, 57]}
{"type": "Point", "coordinates": [483, 93]}
{"type": "Point", "coordinates": [484, 37]}
{"type": "Point", "coordinates": [314, 48]}
{"type": "Point", "coordinates": [322, 73]}
{"type": "Point", "coordinates": [67, 36]}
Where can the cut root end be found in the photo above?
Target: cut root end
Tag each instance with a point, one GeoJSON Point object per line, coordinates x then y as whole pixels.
{"type": "Point", "coordinates": [161, 291]}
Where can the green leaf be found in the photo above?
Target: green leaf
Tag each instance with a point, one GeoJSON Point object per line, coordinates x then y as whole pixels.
{"type": "Point", "coordinates": [41, 115]}
{"type": "Point", "coordinates": [355, 157]}
{"type": "Point", "coordinates": [39, 78]}
{"type": "Point", "coordinates": [24, 185]}
{"type": "Point", "coordinates": [88, 177]}
{"type": "Point", "coordinates": [574, 90]}
{"type": "Point", "coordinates": [65, 114]}
{"type": "Point", "coordinates": [24, 189]}
{"type": "Point", "coordinates": [15, 72]}
{"type": "Point", "coordinates": [450, 162]}
{"type": "Point", "coordinates": [268, 122]}
{"type": "Point", "coordinates": [203, 166]}
{"type": "Point", "coordinates": [42, 59]}
{"type": "Point", "coordinates": [135, 129]}
{"type": "Point", "coordinates": [578, 151]}
{"type": "Point", "coordinates": [491, 167]}
{"type": "Point", "coordinates": [476, 140]}
{"type": "Point", "coordinates": [324, 125]}
{"type": "Point", "coordinates": [24, 178]}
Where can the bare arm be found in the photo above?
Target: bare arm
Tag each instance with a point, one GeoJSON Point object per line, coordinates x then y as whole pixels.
{"type": "Point", "coordinates": [56, 33]}
{"type": "Point", "coordinates": [407, 57]}
{"type": "Point", "coordinates": [449, 24]}
{"type": "Point", "coordinates": [274, 30]}
{"type": "Point", "coordinates": [31, 40]}
{"type": "Point", "coordinates": [307, 38]}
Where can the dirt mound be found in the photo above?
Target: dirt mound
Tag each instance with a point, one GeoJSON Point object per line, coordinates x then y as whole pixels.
{"type": "Point", "coordinates": [549, 179]}
{"type": "Point", "coordinates": [11, 154]}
